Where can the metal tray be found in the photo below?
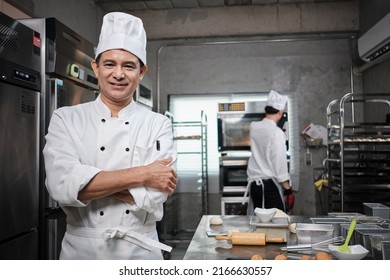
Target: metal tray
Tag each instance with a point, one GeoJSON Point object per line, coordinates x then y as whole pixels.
{"type": "Point", "coordinates": [309, 233]}
{"type": "Point", "coordinates": [362, 237]}
{"type": "Point", "coordinates": [345, 227]}
{"type": "Point", "coordinates": [370, 220]}
{"type": "Point", "coordinates": [377, 245]}
{"type": "Point", "coordinates": [279, 222]}
{"type": "Point", "coordinates": [386, 250]}
{"type": "Point", "coordinates": [330, 220]}
{"type": "Point", "coordinates": [344, 214]}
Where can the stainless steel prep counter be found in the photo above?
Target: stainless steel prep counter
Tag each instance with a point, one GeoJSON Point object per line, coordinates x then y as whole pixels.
{"type": "Point", "coordinates": [203, 247]}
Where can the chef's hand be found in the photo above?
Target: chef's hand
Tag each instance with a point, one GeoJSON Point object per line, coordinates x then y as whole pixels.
{"type": "Point", "coordinates": [289, 199]}
{"type": "Point", "coordinates": [124, 196]}
{"type": "Point", "coordinates": [161, 176]}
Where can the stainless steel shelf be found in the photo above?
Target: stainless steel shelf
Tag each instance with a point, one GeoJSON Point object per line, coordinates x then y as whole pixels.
{"type": "Point", "coordinates": [358, 160]}
{"type": "Point", "coordinates": [194, 133]}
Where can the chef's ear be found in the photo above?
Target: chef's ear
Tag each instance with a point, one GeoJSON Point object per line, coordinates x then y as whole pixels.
{"type": "Point", "coordinates": [144, 69]}
{"type": "Point", "coordinates": [95, 66]}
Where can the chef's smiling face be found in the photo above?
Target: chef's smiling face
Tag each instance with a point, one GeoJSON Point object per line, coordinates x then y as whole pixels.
{"type": "Point", "coordinates": [119, 72]}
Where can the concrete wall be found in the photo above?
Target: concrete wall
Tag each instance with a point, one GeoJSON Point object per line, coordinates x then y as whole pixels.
{"type": "Point", "coordinates": [83, 16]}
{"type": "Point", "coordinates": [270, 19]}
{"type": "Point", "coordinates": [12, 11]}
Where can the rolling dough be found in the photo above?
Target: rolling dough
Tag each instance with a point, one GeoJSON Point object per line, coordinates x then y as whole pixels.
{"type": "Point", "coordinates": [216, 221]}
{"type": "Point", "coordinates": [292, 227]}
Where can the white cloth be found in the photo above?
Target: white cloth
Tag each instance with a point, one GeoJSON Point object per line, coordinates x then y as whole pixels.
{"type": "Point", "coordinates": [122, 31]}
{"type": "Point", "coordinates": [268, 158]}
{"type": "Point", "coordinates": [276, 100]}
{"type": "Point", "coordinates": [85, 139]}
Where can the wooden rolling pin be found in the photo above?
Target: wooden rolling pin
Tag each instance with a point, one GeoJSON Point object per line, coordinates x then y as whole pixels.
{"type": "Point", "coordinates": [250, 238]}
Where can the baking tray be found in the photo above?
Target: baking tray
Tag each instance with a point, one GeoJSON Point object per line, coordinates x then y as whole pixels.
{"type": "Point", "coordinates": [362, 237]}
{"type": "Point", "coordinates": [345, 227]}
{"type": "Point", "coordinates": [377, 209]}
{"type": "Point", "coordinates": [386, 250]}
{"type": "Point", "coordinates": [309, 233]}
{"type": "Point", "coordinates": [330, 220]}
{"type": "Point", "coordinates": [278, 222]}
{"type": "Point", "coordinates": [377, 245]}
{"type": "Point", "coordinates": [370, 220]}
{"type": "Point", "coordinates": [346, 215]}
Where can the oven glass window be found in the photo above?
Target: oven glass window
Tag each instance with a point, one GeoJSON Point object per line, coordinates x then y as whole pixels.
{"type": "Point", "coordinates": [235, 208]}
{"type": "Point", "coordinates": [235, 176]}
{"type": "Point", "coordinates": [233, 130]}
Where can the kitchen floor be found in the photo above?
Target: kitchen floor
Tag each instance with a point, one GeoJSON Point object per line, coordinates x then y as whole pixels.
{"type": "Point", "coordinates": [178, 251]}
{"type": "Point", "coordinates": [178, 239]}
{"type": "Point", "coordinates": [179, 243]}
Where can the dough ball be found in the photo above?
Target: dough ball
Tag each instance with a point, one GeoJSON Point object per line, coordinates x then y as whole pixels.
{"type": "Point", "coordinates": [292, 228]}
{"type": "Point", "coordinates": [322, 256]}
{"type": "Point", "coordinates": [305, 257]}
{"type": "Point", "coordinates": [281, 257]}
{"type": "Point", "coordinates": [216, 221]}
{"type": "Point", "coordinates": [257, 257]}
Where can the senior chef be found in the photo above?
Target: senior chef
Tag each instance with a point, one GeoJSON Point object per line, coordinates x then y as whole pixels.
{"type": "Point", "coordinates": [267, 171]}
{"type": "Point", "coordinates": [109, 162]}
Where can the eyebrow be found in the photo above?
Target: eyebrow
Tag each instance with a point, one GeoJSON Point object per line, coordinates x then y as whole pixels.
{"type": "Point", "coordinates": [113, 61]}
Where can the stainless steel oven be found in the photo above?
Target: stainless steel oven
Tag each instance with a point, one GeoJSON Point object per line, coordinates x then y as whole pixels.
{"type": "Point", "coordinates": [234, 205]}
{"type": "Point", "coordinates": [233, 182]}
{"type": "Point", "coordinates": [233, 178]}
{"type": "Point", "coordinates": [233, 123]}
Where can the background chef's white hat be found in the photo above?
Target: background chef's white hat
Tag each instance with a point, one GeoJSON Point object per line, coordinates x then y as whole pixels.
{"type": "Point", "coordinates": [276, 100]}
{"type": "Point", "coordinates": [122, 31]}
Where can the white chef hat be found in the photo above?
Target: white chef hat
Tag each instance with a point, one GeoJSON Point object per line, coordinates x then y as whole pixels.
{"type": "Point", "coordinates": [276, 100]}
{"type": "Point", "coordinates": [122, 31]}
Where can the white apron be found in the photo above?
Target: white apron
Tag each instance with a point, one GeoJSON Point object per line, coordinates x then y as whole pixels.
{"type": "Point", "coordinates": [108, 243]}
{"type": "Point", "coordinates": [259, 182]}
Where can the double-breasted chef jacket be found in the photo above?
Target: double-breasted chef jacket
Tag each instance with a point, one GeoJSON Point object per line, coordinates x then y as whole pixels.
{"type": "Point", "coordinates": [83, 140]}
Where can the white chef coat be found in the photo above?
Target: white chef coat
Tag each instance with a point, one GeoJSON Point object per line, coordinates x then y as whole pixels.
{"type": "Point", "coordinates": [268, 158]}
{"type": "Point", "coordinates": [83, 140]}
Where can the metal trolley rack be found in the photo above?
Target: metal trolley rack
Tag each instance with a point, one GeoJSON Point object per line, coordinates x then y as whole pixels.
{"type": "Point", "coordinates": [358, 151]}
{"type": "Point", "coordinates": [193, 134]}
{"type": "Point", "coordinates": [200, 129]}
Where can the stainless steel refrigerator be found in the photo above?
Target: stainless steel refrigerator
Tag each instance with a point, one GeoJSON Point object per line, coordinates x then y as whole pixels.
{"type": "Point", "coordinates": [20, 86]}
{"type": "Point", "coordinates": [67, 79]}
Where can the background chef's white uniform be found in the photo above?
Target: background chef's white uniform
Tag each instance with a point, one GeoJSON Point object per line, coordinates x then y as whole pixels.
{"type": "Point", "coordinates": [268, 155]}
{"type": "Point", "coordinates": [83, 140]}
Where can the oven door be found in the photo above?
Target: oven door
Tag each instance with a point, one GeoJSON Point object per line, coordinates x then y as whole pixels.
{"type": "Point", "coordinates": [233, 176]}
{"type": "Point", "coordinates": [234, 205]}
{"type": "Point", "coordinates": [234, 129]}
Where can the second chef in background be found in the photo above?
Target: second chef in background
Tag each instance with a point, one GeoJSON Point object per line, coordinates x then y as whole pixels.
{"type": "Point", "coordinates": [268, 177]}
